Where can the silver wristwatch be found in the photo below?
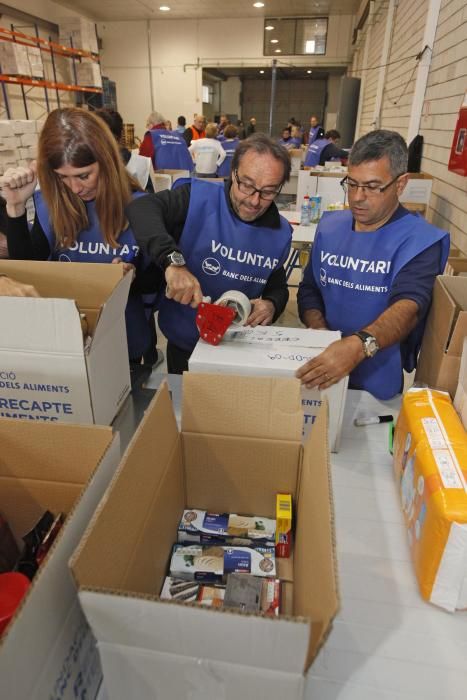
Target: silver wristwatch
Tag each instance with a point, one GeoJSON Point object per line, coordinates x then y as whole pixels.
{"type": "Point", "coordinates": [369, 342]}
{"type": "Point", "coordinates": [175, 258]}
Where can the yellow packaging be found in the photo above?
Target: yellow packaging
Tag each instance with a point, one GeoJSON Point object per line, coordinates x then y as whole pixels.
{"type": "Point", "coordinates": [283, 524]}
{"type": "Point", "coordinates": [430, 462]}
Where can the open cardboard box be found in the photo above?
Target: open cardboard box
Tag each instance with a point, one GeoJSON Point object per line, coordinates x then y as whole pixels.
{"type": "Point", "coordinates": [277, 351]}
{"type": "Point", "coordinates": [46, 372]}
{"type": "Point", "coordinates": [47, 650]}
{"type": "Point", "coordinates": [446, 327]}
{"type": "Point", "coordinates": [231, 455]}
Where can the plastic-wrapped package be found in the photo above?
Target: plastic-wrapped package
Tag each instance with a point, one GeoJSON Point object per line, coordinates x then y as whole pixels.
{"type": "Point", "coordinates": [430, 462]}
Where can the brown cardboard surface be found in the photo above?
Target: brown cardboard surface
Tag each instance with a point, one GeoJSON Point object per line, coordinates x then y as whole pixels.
{"type": "Point", "coordinates": [89, 284]}
{"type": "Point", "coordinates": [128, 542]}
{"type": "Point", "coordinates": [205, 409]}
{"type": "Point", "coordinates": [43, 468]}
{"type": "Point", "coordinates": [456, 265]}
{"type": "Point", "coordinates": [439, 360]}
{"type": "Point", "coordinates": [238, 475]}
{"type": "Point", "coordinates": [135, 516]}
{"type": "Point", "coordinates": [315, 570]}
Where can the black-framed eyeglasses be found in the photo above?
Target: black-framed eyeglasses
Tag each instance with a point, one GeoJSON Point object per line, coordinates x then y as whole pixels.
{"type": "Point", "coordinates": [352, 186]}
{"type": "Point", "coordinates": [266, 193]}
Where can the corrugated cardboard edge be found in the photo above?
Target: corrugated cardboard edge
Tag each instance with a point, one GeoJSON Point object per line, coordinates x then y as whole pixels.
{"type": "Point", "coordinates": [162, 392]}
{"type": "Point", "coordinates": [113, 437]}
{"type": "Point", "coordinates": [323, 415]}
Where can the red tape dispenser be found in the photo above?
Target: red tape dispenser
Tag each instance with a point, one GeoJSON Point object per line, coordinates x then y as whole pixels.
{"type": "Point", "coordinates": [213, 320]}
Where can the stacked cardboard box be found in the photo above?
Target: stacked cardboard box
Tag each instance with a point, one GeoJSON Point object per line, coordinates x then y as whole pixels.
{"type": "Point", "coordinates": [88, 73]}
{"type": "Point", "coordinates": [18, 142]}
{"type": "Point", "coordinates": [35, 62]}
{"type": "Point", "coordinates": [14, 59]}
{"type": "Point", "coordinates": [78, 33]}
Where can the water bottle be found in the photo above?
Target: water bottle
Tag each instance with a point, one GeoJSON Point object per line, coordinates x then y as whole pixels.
{"type": "Point", "coordinates": [305, 214]}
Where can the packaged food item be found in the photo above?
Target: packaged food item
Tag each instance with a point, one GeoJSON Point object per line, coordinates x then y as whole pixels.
{"type": "Point", "coordinates": [199, 526]}
{"type": "Point", "coordinates": [192, 592]}
{"type": "Point", "coordinates": [252, 594]}
{"type": "Point", "coordinates": [213, 562]}
{"type": "Point", "coordinates": [283, 525]}
{"type": "Point", "coordinates": [430, 454]}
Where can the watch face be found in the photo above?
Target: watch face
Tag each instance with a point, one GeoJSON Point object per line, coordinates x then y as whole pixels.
{"type": "Point", "coordinates": [176, 259]}
{"type": "Point", "coordinates": [371, 347]}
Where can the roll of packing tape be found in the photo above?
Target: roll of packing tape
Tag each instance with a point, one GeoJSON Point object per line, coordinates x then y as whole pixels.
{"type": "Point", "coordinates": [238, 301]}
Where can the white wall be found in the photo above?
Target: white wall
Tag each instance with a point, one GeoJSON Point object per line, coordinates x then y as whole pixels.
{"type": "Point", "coordinates": [447, 82]}
{"type": "Point", "coordinates": [230, 96]}
{"type": "Point", "coordinates": [179, 51]}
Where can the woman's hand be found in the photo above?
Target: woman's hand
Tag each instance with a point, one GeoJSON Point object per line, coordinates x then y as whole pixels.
{"type": "Point", "coordinates": [127, 267]}
{"type": "Point", "coordinates": [16, 186]}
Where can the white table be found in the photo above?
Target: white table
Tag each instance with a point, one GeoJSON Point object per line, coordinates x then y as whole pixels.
{"type": "Point", "coordinates": [386, 643]}
{"type": "Point", "coordinates": [302, 238]}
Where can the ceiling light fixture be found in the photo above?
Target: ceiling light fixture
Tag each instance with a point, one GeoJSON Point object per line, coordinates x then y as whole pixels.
{"type": "Point", "coordinates": [277, 50]}
{"type": "Point", "coordinates": [261, 71]}
{"type": "Point", "coordinates": [274, 41]}
{"type": "Point", "coordinates": [164, 8]}
{"type": "Point", "coordinates": [269, 28]}
{"type": "Point", "coordinates": [309, 71]}
{"type": "Point", "coordinates": [258, 4]}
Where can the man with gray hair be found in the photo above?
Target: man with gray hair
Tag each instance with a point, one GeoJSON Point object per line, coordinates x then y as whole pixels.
{"type": "Point", "coordinates": [167, 149]}
{"type": "Point", "coordinates": [211, 238]}
{"type": "Point", "coordinates": [371, 275]}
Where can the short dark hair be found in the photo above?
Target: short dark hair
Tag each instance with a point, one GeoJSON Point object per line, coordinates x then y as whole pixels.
{"type": "Point", "coordinates": [262, 144]}
{"type": "Point", "coordinates": [113, 120]}
{"type": "Point", "coordinates": [332, 134]}
{"type": "Point", "coordinates": [378, 144]}
{"type": "Point", "coordinates": [181, 121]}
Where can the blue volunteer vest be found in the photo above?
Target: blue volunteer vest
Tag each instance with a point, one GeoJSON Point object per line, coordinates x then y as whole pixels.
{"type": "Point", "coordinates": [295, 142]}
{"type": "Point", "coordinates": [90, 247]}
{"type": "Point", "coordinates": [314, 151]}
{"type": "Point", "coordinates": [229, 147]}
{"type": "Point", "coordinates": [170, 151]}
{"type": "Point", "coordinates": [223, 253]}
{"type": "Point", "coordinates": [313, 133]}
{"type": "Point", "coordinates": [355, 272]}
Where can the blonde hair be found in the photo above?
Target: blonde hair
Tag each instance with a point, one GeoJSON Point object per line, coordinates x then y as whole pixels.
{"type": "Point", "coordinates": [75, 137]}
{"type": "Point", "coordinates": [211, 130]}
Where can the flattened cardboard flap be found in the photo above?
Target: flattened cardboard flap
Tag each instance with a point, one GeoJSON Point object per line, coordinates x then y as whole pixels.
{"type": "Point", "coordinates": [90, 284]}
{"type": "Point", "coordinates": [270, 407]}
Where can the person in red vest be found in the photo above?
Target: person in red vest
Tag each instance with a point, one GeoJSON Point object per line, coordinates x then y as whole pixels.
{"type": "Point", "coordinates": [154, 121]}
{"type": "Point", "coordinates": [196, 130]}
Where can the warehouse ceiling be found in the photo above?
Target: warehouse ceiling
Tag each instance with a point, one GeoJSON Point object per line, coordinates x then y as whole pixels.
{"type": "Point", "coordinates": [115, 10]}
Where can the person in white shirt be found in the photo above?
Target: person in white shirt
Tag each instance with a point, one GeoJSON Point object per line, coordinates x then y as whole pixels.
{"type": "Point", "coordinates": [207, 153]}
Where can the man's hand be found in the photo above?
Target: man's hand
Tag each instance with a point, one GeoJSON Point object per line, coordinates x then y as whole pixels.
{"type": "Point", "coordinates": [16, 186]}
{"type": "Point", "coordinates": [262, 313]}
{"type": "Point", "coordinates": [182, 286]}
{"type": "Point", "coordinates": [12, 288]}
{"type": "Point", "coordinates": [334, 363]}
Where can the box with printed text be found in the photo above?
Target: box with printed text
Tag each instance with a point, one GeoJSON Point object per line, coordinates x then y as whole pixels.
{"type": "Point", "coordinates": [47, 370]}
{"type": "Point", "coordinates": [276, 351]}
{"type": "Point", "coordinates": [47, 650]}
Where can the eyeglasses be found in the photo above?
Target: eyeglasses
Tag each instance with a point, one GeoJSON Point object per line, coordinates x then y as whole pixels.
{"type": "Point", "coordinates": [351, 186]}
{"type": "Point", "coordinates": [245, 188]}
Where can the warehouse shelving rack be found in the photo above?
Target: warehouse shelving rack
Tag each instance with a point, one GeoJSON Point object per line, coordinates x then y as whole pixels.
{"type": "Point", "coordinates": [54, 49]}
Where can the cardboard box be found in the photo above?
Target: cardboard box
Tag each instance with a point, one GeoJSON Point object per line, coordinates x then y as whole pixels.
{"type": "Point", "coordinates": [46, 372]}
{"type": "Point", "coordinates": [460, 399]}
{"type": "Point", "coordinates": [14, 59]}
{"type": "Point", "coordinates": [276, 351]}
{"type": "Point", "coordinates": [231, 456]}
{"type": "Point", "coordinates": [88, 74]}
{"type": "Point", "coordinates": [47, 650]}
{"type": "Point", "coordinates": [456, 265]}
{"type": "Point", "coordinates": [79, 33]}
{"type": "Point", "coordinates": [446, 327]}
